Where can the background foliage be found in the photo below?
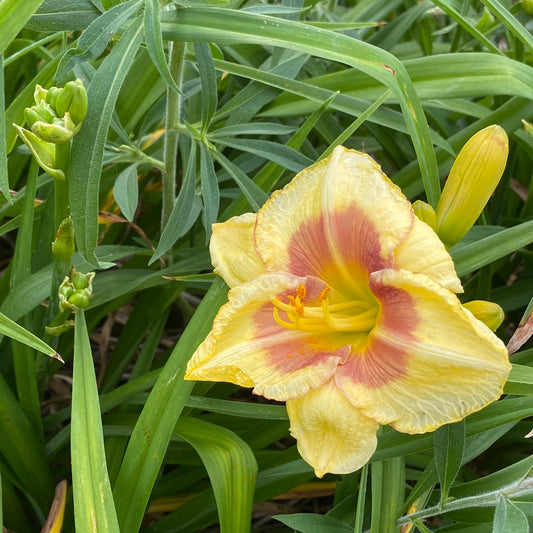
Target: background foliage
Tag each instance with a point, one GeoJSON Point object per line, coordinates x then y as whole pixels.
{"type": "Point", "coordinates": [196, 112]}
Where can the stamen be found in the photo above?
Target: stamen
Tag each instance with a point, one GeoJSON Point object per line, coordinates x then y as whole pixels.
{"type": "Point", "coordinates": [349, 316]}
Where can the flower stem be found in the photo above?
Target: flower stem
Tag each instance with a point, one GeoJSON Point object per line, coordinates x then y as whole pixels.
{"type": "Point", "coordinates": [173, 116]}
{"type": "Point", "coordinates": [61, 201]}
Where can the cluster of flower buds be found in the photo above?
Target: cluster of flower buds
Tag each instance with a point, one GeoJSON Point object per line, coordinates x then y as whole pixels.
{"type": "Point", "coordinates": [76, 291]}
{"type": "Point", "coordinates": [54, 119]}
{"type": "Point", "coordinates": [473, 178]}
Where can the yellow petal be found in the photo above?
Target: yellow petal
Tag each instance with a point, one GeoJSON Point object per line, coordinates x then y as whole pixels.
{"type": "Point", "coordinates": [422, 252]}
{"type": "Point", "coordinates": [428, 362]}
{"type": "Point", "coordinates": [248, 347]}
{"type": "Point", "coordinates": [332, 435]}
{"type": "Point", "coordinates": [233, 252]}
{"type": "Point", "coordinates": [338, 220]}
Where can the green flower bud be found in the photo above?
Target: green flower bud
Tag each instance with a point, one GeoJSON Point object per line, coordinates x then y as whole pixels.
{"type": "Point", "coordinates": [527, 6]}
{"type": "Point", "coordinates": [59, 132]}
{"type": "Point", "coordinates": [39, 94]}
{"type": "Point", "coordinates": [44, 152]}
{"type": "Point", "coordinates": [72, 99]}
{"type": "Point", "coordinates": [75, 292]}
{"type": "Point", "coordinates": [489, 313]}
{"type": "Point", "coordinates": [425, 213]}
{"type": "Point", "coordinates": [52, 95]}
{"type": "Point", "coordinates": [471, 182]}
{"type": "Point", "coordinates": [63, 246]}
{"type": "Point", "coordinates": [80, 299]}
{"type": "Point", "coordinates": [38, 113]}
{"type": "Point", "coordinates": [80, 281]}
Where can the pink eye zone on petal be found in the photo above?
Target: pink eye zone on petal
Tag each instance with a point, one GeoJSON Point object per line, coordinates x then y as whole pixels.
{"type": "Point", "coordinates": [338, 247]}
{"type": "Point", "coordinates": [381, 361]}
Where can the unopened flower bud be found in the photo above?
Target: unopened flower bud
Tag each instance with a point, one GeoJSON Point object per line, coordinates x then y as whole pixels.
{"type": "Point", "coordinates": [80, 299]}
{"type": "Point", "coordinates": [38, 113]}
{"type": "Point", "coordinates": [527, 6]}
{"type": "Point", "coordinates": [63, 246]}
{"type": "Point", "coordinates": [489, 313]}
{"type": "Point", "coordinates": [472, 180]}
{"type": "Point", "coordinates": [80, 281]}
{"type": "Point", "coordinates": [72, 99]}
{"type": "Point", "coordinates": [75, 292]}
{"type": "Point", "coordinates": [59, 132]}
{"type": "Point", "coordinates": [425, 213]}
{"type": "Point", "coordinates": [52, 95]}
{"type": "Point", "coordinates": [39, 94]}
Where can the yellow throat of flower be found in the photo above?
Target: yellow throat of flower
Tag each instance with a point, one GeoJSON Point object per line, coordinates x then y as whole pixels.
{"type": "Point", "coordinates": [322, 315]}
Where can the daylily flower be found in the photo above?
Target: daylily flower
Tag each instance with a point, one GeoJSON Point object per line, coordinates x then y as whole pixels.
{"type": "Point", "coordinates": [342, 305]}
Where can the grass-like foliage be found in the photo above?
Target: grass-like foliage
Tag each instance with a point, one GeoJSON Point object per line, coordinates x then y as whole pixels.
{"type": "Point", "coordinates": [196, 112]}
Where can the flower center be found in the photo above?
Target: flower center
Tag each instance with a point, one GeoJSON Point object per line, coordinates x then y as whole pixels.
{"type": "Point", "coordinates": [321, 315]}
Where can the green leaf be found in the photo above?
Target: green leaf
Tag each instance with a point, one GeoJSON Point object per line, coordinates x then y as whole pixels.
{"type": "Point", "coordinates": [154, 41]}
{"type": "Point", "coordinates": [13, 16]}
{"type": "Point", "coordinates": [185, 210]}
{"type": "Point", "coordinates": [208, 79]}
{"type": "Point", "coordinates": [22, 451]}
{"type": "Point", "coordinates": [241, 409]}
{"type": "Point", "coordinates": [94, 39]}
{"type": "Point", "coordinates": [232, 470]}
{"type": "Point", "coordinates": [151, 435]}
{"type": "Point", "coordinates": [227, 26]}
{"type": "Point", "coordinates": [313, 523]}
{"type": "Point", "coordinates": [210, 193]}
{"type": "Point", "coordinates": [271, 151]}
{"type": "Point", "coordinates": [126, 191]}
{"type": "Point", "coordinates": [466, 25]}
{"type": "Point", "coordinates": [508, 518]}
{"type": "Point", "coordinates": [387, 481]}
{"type": "Point", "coordinates": [449, 450]}
{"type": "Point", "coordinates": [254, 194]}
{"type": "Point", "coordinates": [251, 128]}
{"type": "Point", "coordinates": [63, 15]}
{"type": "Point", "coordinates": [18, 333]}
{"type": "Point", "coordinates": [4, 180]}
{"type": "Point", "coordinates": [473, 256]}
{"type": "Point", "coordinates": [512, 23]}
{"type": "Point", "coordinates": [87, 164]}
{"type": "Point", "coordinates": [94, 509]}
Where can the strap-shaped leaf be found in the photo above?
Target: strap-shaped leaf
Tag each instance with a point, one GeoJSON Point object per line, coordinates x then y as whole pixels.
{"type": "Point", "coordinates": [94, 509]}
{"type": "Point", "coordinates": [154, 427]}
{"type": "Point", "coordinates": [231, 466]}
{"type": "Point", "coordinates": [483, 252]}
{"type": "Point", "coordinates": [18, 333]}
{"type": "Point", "coordinates": [13, 16]}
{"type": "Point", "coordinates": [4, 182]}
{"type": "Point", "coordinates": [228, 26]}
{"type": "Point", "coordinates": [87, 162]}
